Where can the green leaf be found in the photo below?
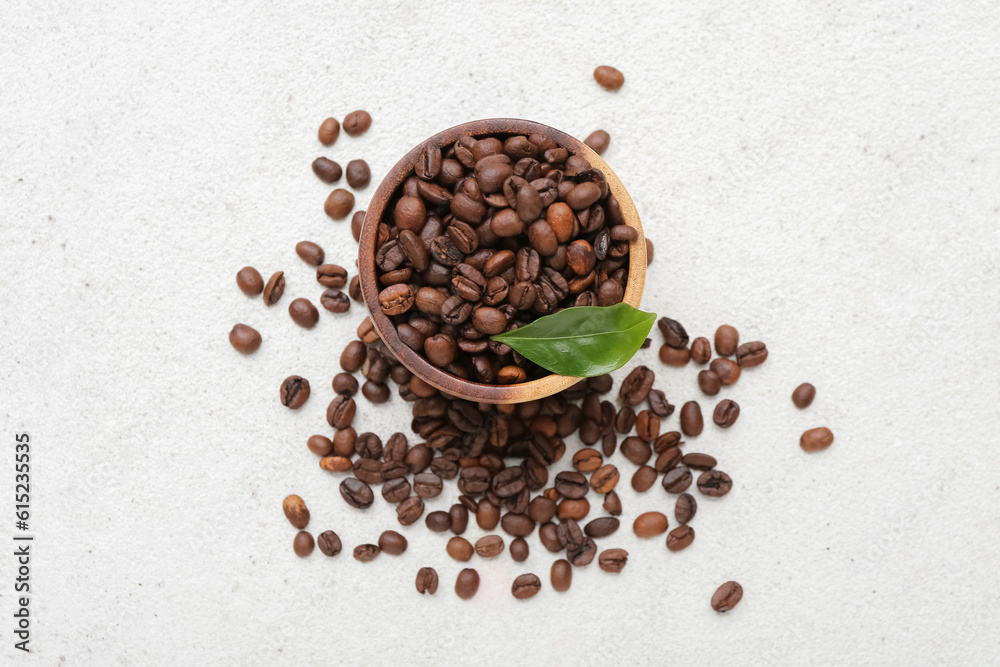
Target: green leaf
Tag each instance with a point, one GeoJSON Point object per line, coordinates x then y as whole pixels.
{"type": "Point", "coordinates": [584, 341]}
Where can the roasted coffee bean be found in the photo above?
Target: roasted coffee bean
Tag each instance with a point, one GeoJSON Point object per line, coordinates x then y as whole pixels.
{"type": "Point", "coordinates": [525, 586]}
{"type": "Point", "coordinates": [727, 339]}
{"type": "Point", "coordinates": [358, 174]}
{"type": "Point", "coordinates": [244, 339]}
{"type": "Point", "coordinates": [816, 439]}
{"type": "Point", "coordinates": [727, 371]}
{"type": "Point", "coordinates": [459, 517]}
{"type": "Point", "coordinates": [726, 413]}
{"type": "Point", "coordinates": [601, 527]}
{"type": "Point", "coordinates": [440, 349]}
{"type": "Point", "coordinates": [309, 252]}
{"type": "Point", "coordinates": [727, 596]}
{"type": "Point", "coordinates": [340, 412]}
{"type": "Point", "coordinates": [294, 392]}
{"type": "Point", "coordinates": [329, 130]}
{"type": "Point", "coordinates": [570, 534]}
{"type": "Point", "coordinates": [549, 537]}
{"type": "Point", "coordinates": [647, 426]}
{"type": "Point", "coordinates": [509, 482]}
{"type": "Point", "coordinates": [357, 123]}
{"type": "Point", "coordinates": [587, 460]}
{"type": "Point", "coordinates": [396, 490]}
{"type": "Point", "coordinates": [319, 445]}
{"type": "Point", "coordinates": [604, 479]}
{"type": "Point", "coordinates": [519, 550]}
{"type": "Point", "coordinates": [336, 463]}
{"type": "Point", "coordinates": [644, 478]}
{"type": "Point", "coordinates": [488, 320]}
{"type": "Point", "coordinates": [623, 233]}
{"type": "Point", "coordinates": [659, 405]}
{"type": "Point", "coordinates": [444, 468]}
{"type": "Point", "coordinates": [686, 508]}
{"type": "Point", "coordinates": [353, 356]}
{"type": "Point", "coordinates": [649, 524]}
{"type": "Point", "coordinates": [329, 543]}
{"type": "Point", "coordinates": [701, 350]}
{"type": "Point", "coordinates": [303, 313]}
{"type": "Point", "coordinates": [635, 388]}
{"type": "Point", "coordinates": [331, 275]}
{"type": "Point", "coordinates": [609, 293]}
{"type": "Point", "coordinates": [666, 441]}
{"type": "Point", "coordinates": [396, 299]}
{"type": "Point", "coordinates": [467, 584]}
{"type": "Point", "coordinates": [438, 521]}
{"type": "Point", "coordinates": [582, 555]}
{"type": "Point", "coordinates": [392, 543]}
{"type": "Point", "coordinates": [410, 213]}
{"type": "Point", "coordinates": [649, 251]}
{"type": "Point", "coordinates": [612, 504]}
{"type": "Point", "coordinates": [561, 575]}
{"type": "Point", "coordinates": [613, 560]}
{"type": "Point", "coordinates": [249, 281]}
{"type": "Point", "coordinates": [343, 442]}
{"type": "Point", "coordinates": [527, 264]}
{"type": "Point", "coordinates": [356, 493]}
{"type": "Point", "coordinates": [709, 383]}
{"type": "Point", "coordinates": [608, 77]}
{"type": "Point", "coordinates": [296, 511]}
{"type": "Point", "coordinates": [517, 525]}
{"type": "Point", "coordinates": [487, 515]}
{"type": "Point", "coordinates": [803, 395]}
{"type": "Point", "coordinates": [365, 553]}
{"type": "Point", "coordinates": [752, 354]}
{"type": "Point", "coordinates": [338, 204]}
{"type": "Point", "coordinates": [427, 485]}
{"type": "Point", "coordinates": [393, 470]}
{"type": "Point", "coordinates": [571, 484]}
{"type": "Point", "coordinates": [326, 170]}
{"type": "Point", "coordinates": [368, 471]}
{"type": "Point", "coordinates": [636, 450]}
{"type": "Point", "coordinates": [354, 289]}
{"type": "Point", "coordinates": [699, 461]}
{"type": "Point", "coordinates": [274, 288]}
{"type": "Point", "coordinates": [680, 538]}
{"type": "Point", "coordinates": [303, 544]}
{"type": "Point", "coordinates": [418, 458]}
{"type": "Point", "coordinates": [335, 301]}
{"type": "Point", "coordinates": [357, 220]}
{"type": "Point", "coordinates": [677, 479]}
{"type": "Point", "coordinates": [598, 140]}
{"type": "Point", "coordinates": [673, 332]}
{"type": "Point", "coordinates": [460, 549]}
{"type": "Point", "coordinates": [489, 546]}
{"type": "Point", "coordinates": [541, 509]}
{"type": "Point", "coordinates": [375, 392]}
{"type": "Point", "coordinates": [427, 580]}
{"type": "Point", "coordinates": [573, 508]}
{"type": "Point", "coordinates": [692, 423]}
{"type": "Point", "coordinates": [345, 383]}
{"type": "Point", "coordinates": [410, 510]}
{"type": "Point", "coordinates": [625, 420]}
{"type": "Point", "coordinates": [676, 357]}
{"type": "Point", "coordinates": [715, 483]}
{"type": "Point", "coordinates": [368, 446]}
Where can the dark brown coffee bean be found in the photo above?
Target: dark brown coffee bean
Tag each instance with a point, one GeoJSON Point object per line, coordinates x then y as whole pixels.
{"type": "Point", "coordinates": [636, 450]}
{"type": "Point", "coordinates": [392, 543]}
{"type": "Point", "coordinates": [647, 426]}
{"type": "Point", "coordinates": [659, 405]}
{"type": "Point", "coordinates": [505, 223]}
{"type": "Point", "coordinates": [727, 596]}
{"type": "Point", "coordinates": [522, 295]}
{"type": "Point", "coordinates": [368, 471]}
{"type": "Point", "coordinates": [583, 195]}
{"type": "Point", "coordinates": [396, 299]}
{"type": "Point", "coordinates": [701, 350]}
{"type": "Point", "coordinates": [444, 468]}
{"type": "Point", "coordinates": [582, 555]}
{"type": "Point", "coordinates": [467, 584]}
{"type": "Point", "coordinates": [274, 288]}
{"type": "Point", "coordinates": [488, 320]}
{"type": "Point", "coordinates": [303, 313]}
{"type": "Point", "coordinates": [728, 371]}
{"type": "Point", "coordinates": [612, 504]}
{"type": "Point", "coordinates": [525, 586]}
{"type": "Point", "coordinates": [649, 251]}
{"type": "Point", "coordinates": [676, 357]}
{"type": "Point", "coordinates": [677, 479]}
{"type": "Point", "coordinates": [340, 412]}
{"type": "Point", "coordinates": [410, 213]}
{"type": "Point", "coordinates": [487, 515]}
{"type": "Point", "coordinates": [489, 546]}
{"type": "Point", "coordinates": [649, 524]}
{"type": "Point", "coordinates": [418, 458]}
{"type": "Point", "coordinates": [571, 484]}
{"type": "Point", "coordinates": [396, 490]}
{"type": "Point", "coordinates": [727, 339]}
{"type": "Point", "coordinates": [699, 461]}
{"type": "Point", "coordinates": [438, 521]}
{"type": "Point", "coordinates": [625, 420]}
{"type": "Point", "coordinates": [644, 478]}
{"type": "Point", "coordinates": [541, 509]}
{"type": "Point", "coordinates": [609, 293]}
{"type": "Point", "coordinates": [366, 553]}
{"type": "Point", "coordinates": [329, 543]}
{"type": "Point", "coordinates": [635, 388]}
{"type": "Point", "coordinates": [692, 423]}
{"type": "Point", "coordinates": [561, 575]}
{"type": "Point", "coordinates": [666, 441]}
{"type": "Point", "coordinates": [517, 525]}
{"type": "Point", "coordinates": [601, 527]}
{"type": "Point", "coordinates": [598, 140]}
{"type": "Point", "coordinates": [249, 281]}
{"type": "Point", "coordinates": [623, 233]}
{"type": "Point", "coordinates": [573, 508]}
{"type": "Point", "coordinates": [542, 238]}
{"type": "Point", "coordinates": [604, 479]}
{"type": "Point", "coordinates": [607, 77]}
{"type": "Point", "coordinates": [303, 544]}
{"type": "Point", "coordinates": [548, 536]}
{"type": "Point", "coordinates": [715, 483]}
{"type": "Point", "coordinates": [343, 442]}
{"type": "Point", "coordinates": [294, 392]}
{"type": "Point", "coordinates": [459, 517]}
{"type": "Point", "coordinates": [357, 123]}
{"type": "Point", "coordinates": [310, 253]}
{"type": "Point", "coordinates": [667, 459]}
{"type": "Point", "coordinates": [368, 446]}
{"type": "Point", "coordinates": [816, 439]}
{"type": "Point", "coordinates": [460, 549]}
{"type": "Point", "coordinates": [726, 413]}
{"type": "Point", "coordinates": [673, 332]}
{"type": "Point", "coordinates": [244, 339]}
{"type": "Point", "coordinates": [338, 204]}
{"type": "Point", "coordinates": [326, 170]}
{"type": "Point", "coordinates": [427, 485]}
{"type": "Point", "coordinates": [358, 174]}
{"type": "Point", "coordinates": [803, 395]}
{"type": "Point", "coordinates": [354, 289]}
{"type": "Point", "coordinates": [440, 349]}
{"type": "Point", "coordinates": [410, 510]}
{"type": "Point", "coordinates": [445, 252]}
{"type": "Point", "coordinates": [353, 356]}
{"type": "Point", "coordinates": [613, 560]}
{"type": "Point", "coordinates": [376, 392]}
{"type": "Point", "coordinates": [356, 493]}
{"type": "Point", "coordinates": [519, 550]}
{"type": "Point", "coordinates": [709, 382]}
{"type": "Point", "coordinates": [331, 275]}
{"type": "Point", "coordinates": [686, 508]}
{"type": "Point", "coordinates": [680, 538]}
{"type": "Point", "coordinates": [335, 301]}
{"type": "Point", "coordinates": [427, 581]}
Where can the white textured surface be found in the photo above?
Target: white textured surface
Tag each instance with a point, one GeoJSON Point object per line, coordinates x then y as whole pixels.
{"type": "Point", "coordinates": [824, 179]}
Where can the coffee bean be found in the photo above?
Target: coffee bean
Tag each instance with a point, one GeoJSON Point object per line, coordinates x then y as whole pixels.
{"type": "Point", "coordinates": [644, 478]}
{"type": "Point", "coordinates": [636, 450]}
{"type": "Point", "coordinates": [366, 553]}
{"type": "Point", "coordinates": [329, 543]}
{"type": "Point", "coordinates": [368, 471]}
{"type": "Point", "coordinates": [319, 445]}
{"type": "Point", "coordinates": [357, 220]}
{"type": "Point", "coordinates": [244, 339]}
{"type": "Point", "coordinates": [701, 350]}
{"type": "Point", "coordinates": [490, 321]}
{"type": "Point", "coordinates": [598, 140]}
{"type": "Point", "coordinates": [726, 413]}
{"type": "Point", "coordinates": [296, 511]}
{"type": "Point", "coordinates": [709, 383]}
{"type": "Point", "coordinates": [601, 527]}
{"type": "Point", "coordinates": [459, 517]}
{"type": "Point", "coordinates": [438, 521]}
{"type": "Point", "coordinates": [659, 405]}
{"type": "Point", "coordinates": [727, 339]}
{"type": "Point", "coordinates": [727, 596]}
{"type": "Point", "coordinates": [699, 461]}
{"type": "Point", "coordinates": [816, 439]}
{"type": "Point", "coordinates": [680, 537]}
{"type": "Point", "coordinates": [517, 525]}
{"type": "Point", "coordinates": [410, 510]}
{"type": "Point", "coordinates": [326, 170]}
{"type": "Point", "coordinates": [692, 423]}
{"type": "Point", "coordinates": [368, 446]}
{"type": "Point", "coordinates": [686, 508]}
{"type": "Point", "coordinates": [467, 583]}
{"type": "Point", "coordinates": [573, 508]}
{"type": "Point", "coordinates": [487, 515]}
{"type": "Point", "coordinates": [375, 392]}
{"type": "Point", "coordinates": [303, 313]}
{"type": "Point", "coordinates": [427, 485]}
{"type": "Point", "coordinates": [303, 544]}
{"type": "Point", "coordinates": [489, 546]}
{"type": "Point", "coordinates": [396, 490]}
{"type": "Point", "coordinates": [339, 204]}
{"type": "Point", "coordinates": [357, 123]}
{"type": "Point", "coordinates": [635, 388]}
{"type": "Point", "coordinates": [613, 560]}
{"type": "Point", "coordinates": [343, 441]}
{"type": "Point", "coordinates": [676, 357]}
{"type": "Point", "coordinates": [728, 371]}
{"type": "Point", "coordinates": [335, 301]}
{"type": "Point", "coordinates": [249, 281]}
{"type": "Point", "coordinates": [541, 509]}
{"type": "Point", "coordinates": [354, 289]}
{"type": "Point", "coordinates": [525, 586]}
{"type": "Point", "coordinates": [329, 130]}
{"type": "Point", "coordinates": [392, 543]}
{"type": "Point", "coordinates": [649, 524]}
{"type": "Point", "coordinates": [604, 479]}
{"type": "Point", "coordinates": [561, 575]}
{"type": "Point", "coordinates": [803, 395]}
{"type": "Point", "coordinates": [274, 288]}
{"type": "Point", "coordinates": [647, 426]}
{"type": "Point", "coordinates": [460, 549]}
{"type": "Point", "coordinates": [549, 537]}
{"type": "Point", "coordinates": [625, 420]}
{"type": "Point", "coordinates": [582, 555]}
{"type": "Point", "coordinates": [519, 550]}
{"type": "Point", "coordinates": [612, 504]}
{"type": "Point", "coordinates": [331, 275]}
{"type": "Point", "coordinates": [427, 581]}
{"type": "Point", "coordinates": [396, 299]}
{"type": "Point", "coordinates": [714, 483]}
{"type": "Point", "coordinates": [607, 77]}
{"type": "Point", "coordinates": [649, 251]}
{"type": "Point", "coordinates": [356, 493]}
{"type": "Point", "coordinates": [294, 392]}
{"type": "Point", "coordinates": [309, 252]}
{"type": "Point", "coordinates": [587, 460]}
{"type": "Point", "coordinates": [673, 332]}
{"type": "Point", "coordinates": [666, 441]}
{"type": "Point", "coordinates": [571, 484]}
{"type": "Point", "coordinates": [358, 174]}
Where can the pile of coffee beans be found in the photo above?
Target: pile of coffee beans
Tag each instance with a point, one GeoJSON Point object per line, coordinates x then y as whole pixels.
{"type": "Point", "coordinates": [487, 234]}
{"type": "Point", "coordinates": [495, 460]}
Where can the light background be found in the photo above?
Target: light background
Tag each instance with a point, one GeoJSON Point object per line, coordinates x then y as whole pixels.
{"type": "Point", "coordinates": [824, 179]}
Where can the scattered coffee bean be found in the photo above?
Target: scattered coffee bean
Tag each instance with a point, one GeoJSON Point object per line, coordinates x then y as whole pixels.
{"type": "Point", "coordinates": [726, 413]}
{"type": "Point", "coordinates": [460, 549]}
{"type": "Point", "coordinates": [296, 511]}
{"type": "Point", "coordinates": [686, 508]}
{"type": "Point", "coordinates": [692, 423]}
{"type": "Point", "coordinates": [467, 583]}
{"type": "Point", "coordinates": [676, 357]}
{"type": "Point", "coordinates": [598, 140]}
{"type": "Point", "coordinates": [274, 288]}
{"type": "Point", "coordinates": [673, 332]}
{"type": "Point", "coordinates": [331, 275]}
{"type": "Point", "coordinates": [356, 493]}
{"type": "Point", "coordinates": [649, 251]}
{"type": "Point", "coordinates": [677, 480]}
{"type": "Point", "coordinates": [525, 586]}
{"type": "Point", "coordinates": [701, 350]}
{"type": "Point", "coordinates": [726, 370]}
{"type": "Point", "coordinates": [365, 553]}
{"type": "Point", "coordinates": [727, 596]}
{"type": "Point", "coordinates": [357, 123]}
{"type": "Point", "coordinates": [601, 527]}
{"type": "Point", "coordinates": [410, 510]}
{"type": "Point", "coordinates": [699, 461]}
{"type": "Point", "coordinates": [604, 479]}
{"type": "Point", "coordinates": [329, 543]}
{"type": "Point", "coordinates": [608, 77]}
{"type": "Point", "coordinates": [519, 550]}
{"type": "Point", "coordinates": [303, 544]}
{"type": "Point", "coordinates": [816, 439]}
{"type": "Point", "coordinates": [752, 354]}
{"type": "Point", "coordinates": [244, 339]}
{"type": "Point", "coordinates": [644, 478]}
{"type": "Point", "coordinates": [357, 220]}
{"type": "Point", "coordinates": [680, 537]}
{"type": "Point", "coordinates": [727, 339]}
{"type": "Point", "coordinates": [649, 524]}
{"type": "Point", "coordinates": [489, 546]}
{"type": "Point", "coordinates": [327, 170]}
{"type": "Point", "coordinates": [339, 204]}
{"type": "Point", "coordinates": [303, 313]}
{"type": "Point", "coordinates": [329, 130]}
{"type": "Point", "coordinates": [320, 445]}
{"type": "Point", "coordinates": [294, 392]}
{"type": "Point", "coordinates": [613, 560]}
{"type": "Point", "coordinates": [709, 382]}
{"type": "Point", "coordinates": [561, 575]}
{"type": "Point", "coordinates": [358, 174]}
{"type": "Point", "coordinates": [427, 581]}
{"type": "Point", "coordinates": [249, 281]}
{"type": "Point", "coordinates": [310, 253]}
{"type": "Point", "coordinates": [335, 301]}
{"type": "Point", "coordinates": [803, 395]}
{"type": "Point", "coordinates": [714, 483]}
{"type": "Point", "coordinates": [635, 388]}
{"type": "Point", "coordinates": [392, 543]}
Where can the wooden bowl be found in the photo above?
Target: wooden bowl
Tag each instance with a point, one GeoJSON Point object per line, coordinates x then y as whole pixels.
{"type": "Point", "coordinates": [426, 371]}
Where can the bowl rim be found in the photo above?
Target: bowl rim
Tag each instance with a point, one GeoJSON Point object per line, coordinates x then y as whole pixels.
{"type": "Point", "coordinates": [368, 279]}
